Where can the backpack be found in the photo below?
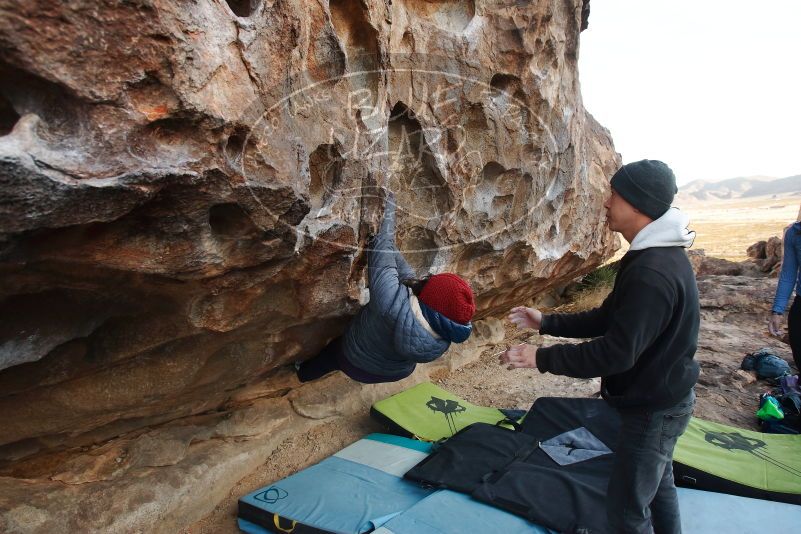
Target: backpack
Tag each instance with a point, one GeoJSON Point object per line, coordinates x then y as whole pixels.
{"type": "Point", "coordinates": [789, 384]}
{"type": "Point", "coordinates": [791, 406]}
{"type": "Point", "coordinates": [770, 409]}
{"type": "Point", "coordinates": [766, 364]}
{"type": "Point", "coordinates": [780, 414]}
{"type": "Point", "coordinates": [777, 427]}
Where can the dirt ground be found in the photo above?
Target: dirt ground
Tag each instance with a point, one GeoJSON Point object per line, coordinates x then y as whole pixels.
{"type": "Point", "coordinates": [725, 394]}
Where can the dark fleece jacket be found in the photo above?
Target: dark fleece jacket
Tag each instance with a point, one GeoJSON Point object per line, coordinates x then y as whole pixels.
{"type": "Point", "coordinates": [646, 333]}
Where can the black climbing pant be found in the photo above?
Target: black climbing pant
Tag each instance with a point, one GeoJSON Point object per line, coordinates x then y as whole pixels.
{"type": "Point", "coordinates": [332, 358]}
{"type": "Point", "coordinates": [794, 329]}
{"type": "Point", "coordinates": [642, 493]}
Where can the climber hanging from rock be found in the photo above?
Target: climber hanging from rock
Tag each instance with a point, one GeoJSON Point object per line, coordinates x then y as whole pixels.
{"type": "Point", "coordinates": [407, 321]}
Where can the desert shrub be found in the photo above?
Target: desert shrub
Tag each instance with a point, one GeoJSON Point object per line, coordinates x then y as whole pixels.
{"type": "Point", "coordinates": [591, 291]}
{"type": "Point", "coordinates": [603, 276]}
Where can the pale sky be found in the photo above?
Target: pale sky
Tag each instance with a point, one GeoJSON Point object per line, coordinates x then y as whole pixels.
{"type": "Point", "coordinates": [711, 87]}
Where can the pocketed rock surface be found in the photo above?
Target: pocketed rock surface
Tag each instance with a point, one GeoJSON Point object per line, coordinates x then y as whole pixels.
{"type": "Point", "coordinates": [187, 192]}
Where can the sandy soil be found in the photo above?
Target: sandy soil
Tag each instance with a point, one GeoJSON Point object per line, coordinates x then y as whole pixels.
{"type": "Point", "coordinates": [725, 394]}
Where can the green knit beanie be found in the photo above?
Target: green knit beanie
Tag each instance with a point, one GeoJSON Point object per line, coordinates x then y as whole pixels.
{"type": "Point", "coordinates": [648, 185]}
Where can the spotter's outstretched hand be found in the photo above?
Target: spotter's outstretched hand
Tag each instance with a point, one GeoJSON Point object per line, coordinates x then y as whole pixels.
{"type": "Point", "coordinates": [519, 356]}
{"type": "Point", "coordinates": [524, 317]}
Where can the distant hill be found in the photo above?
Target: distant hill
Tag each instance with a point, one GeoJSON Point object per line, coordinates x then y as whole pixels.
{"type": "Point", "coordinates": [791, 184]}
{"type": "Point", "coordinates": [744, 187]}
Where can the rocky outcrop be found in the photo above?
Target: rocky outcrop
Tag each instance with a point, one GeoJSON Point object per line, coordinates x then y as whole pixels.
{"type": "Point", "coordinates": [764, 259]}
{"type": "Point", "coordinates": [186, 194]}
{"type": "Point", "coordinates": [757, 250]}
{"type": "Point", "coordinates": [163, 478]}
{"type": "Point", "coordinates": [767, 255]}
{"type": "Point", "coordinates": [704, 265]}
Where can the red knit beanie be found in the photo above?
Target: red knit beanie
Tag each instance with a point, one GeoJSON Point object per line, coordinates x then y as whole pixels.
{"type": "Point", "coordinates": [449, 295]}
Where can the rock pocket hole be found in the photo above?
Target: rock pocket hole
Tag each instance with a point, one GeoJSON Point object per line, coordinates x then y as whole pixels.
{"type": "Point", "coordinates": [62, 115]}
{"type": "Point", "coordinates": [414, 174]}
{"type": "Point", "coordinates": [243, 156]}
{"type": "Point", "coordinates": [235, 149]}
{"type": "Point", "coordinates": [419, 247]}
{"type": "Point", "coordinates": [491, 171]}
{"type": "Point", "coordinates": [450, 15]}
{"type": "Point", "coordinates": [230, 220]}
{"type": "Point", "coordinates": [351, 25]}
{"type": "Point", "coordinates": [328, 62]}
{"type": "Point", "coordinates": [8, 116]}
{"type": "Point", "coordinates": [481, 191]}
{"type": "Point", "coordinates": [325, 169]}
{"type": "Point", "coordinates": [243, 8]}
{"type": "Point", "coordinates": [360, 39]}
{"type": "Point", "coordinates": [504, 82]}
{"type": "Point", "coordinates": [170, 131]}
{"type": "Point", "coordinates": [504, 86]}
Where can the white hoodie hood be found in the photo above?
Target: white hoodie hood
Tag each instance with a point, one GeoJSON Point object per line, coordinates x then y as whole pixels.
{"type": "Point", "coordinates": [669, 230]}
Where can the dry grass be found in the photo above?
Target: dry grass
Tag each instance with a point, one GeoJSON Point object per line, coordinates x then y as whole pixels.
{"type": "Point", "coordinates": [591, 291]}
{"type": "Point", "coordinates": [585, 300]}
{"type": "Point", "coordinates": [726, 228]}
{"type": "Point", "coordinates": [731, 240]}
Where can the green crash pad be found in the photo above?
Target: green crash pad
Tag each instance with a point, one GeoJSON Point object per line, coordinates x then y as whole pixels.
{"type": "Point", "coordinates": [430, 413]}
{"type": "Point", "coordinates": [717, 457]}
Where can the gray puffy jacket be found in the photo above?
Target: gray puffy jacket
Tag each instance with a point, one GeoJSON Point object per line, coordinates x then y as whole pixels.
{"type": "Point", "coordinates": [389, 336]}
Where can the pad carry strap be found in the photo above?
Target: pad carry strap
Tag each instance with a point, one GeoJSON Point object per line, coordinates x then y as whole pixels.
{"type": "Point", "coordinates": [277, 523]}
{"type": "Point", "coordinates": [511, 422]}
{"type": "Point", "coordinates": [524, 452]}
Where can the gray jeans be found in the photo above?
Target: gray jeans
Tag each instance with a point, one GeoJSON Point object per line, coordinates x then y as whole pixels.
{"type": "Point", "coordinates": [641, 497]}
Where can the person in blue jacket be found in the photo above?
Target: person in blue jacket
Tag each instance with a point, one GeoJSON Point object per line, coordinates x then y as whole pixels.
{"type": "Point", "coordinates": [407, 321]}
{"type": "Point", "coordinates": [789, 279]}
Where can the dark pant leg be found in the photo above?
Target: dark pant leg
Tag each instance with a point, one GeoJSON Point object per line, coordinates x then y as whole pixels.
{"type": "Point", "coordinates": [635, 476]}
{"type": "Point", "coordinates": [360, 375]}
{"type": "Point", "coordinates": [322, 364]}
{"type": "Point", "coordinates": [641, 497]}
{"type": "Point", "coordinates": [665, 516]}
{"type": "Point", "coordinates": [794, 330]}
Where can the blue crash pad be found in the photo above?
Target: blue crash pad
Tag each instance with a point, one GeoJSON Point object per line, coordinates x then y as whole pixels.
{"type": "Point", "coordinates": [360, 489]}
